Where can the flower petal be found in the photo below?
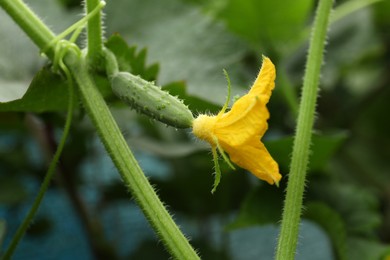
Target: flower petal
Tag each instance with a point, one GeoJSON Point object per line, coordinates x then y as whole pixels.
{"type": "Point", "coordinates": [255, 158]}
{"type": "Point", "coordinates": [265, 81]}
{"type": "Point", "coordinates": [238, 132]}
{"type": "Point", "coordinates": [247, 118]}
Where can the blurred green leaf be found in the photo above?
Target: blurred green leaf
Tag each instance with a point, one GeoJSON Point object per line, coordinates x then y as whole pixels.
{"type": "Point", "coordinates": [354, 33]}
{"type": "Point", "coordinates": [193, 179]}
{"type": "Point", "coordinates": [360, 248]}
{"type": "Point", "coordinates": [130, 60]}
{"type": "Point", "coordinates": [19, 58]}
{"type": "Point", "coordinates": [323, 148]}
{"type": "Point", "coordinates": [188, 45]}
{"type": "Point", "coordinates": [350, 7]}
{"type": "Point", "coordinates": [360, 77]}
{"type": "Point", "coordinates": [382, 10]}
{"type": "Point", "coordinates": [262, 206]}
{"type": "Point", "coordinates": [12, 191]}
{"type": "Point", "coordinates": [149, 249]}
{"type": "Point", "coordinates": [358, 207]}
{"type": "Point", "coordinates": [367, 154]}
{"type": "Point", "coordinates": [270, 21]}
{"type": "Point", "coordinates": [47, 92]}
{"type": "Point", "coordinates": [12, 90]}
{"type": "Point", "coordinates": [331, 222]}
{"type": "Point", "coordinates": [3, 231]}
{"type": "Point", "coordinates": [197, 105]}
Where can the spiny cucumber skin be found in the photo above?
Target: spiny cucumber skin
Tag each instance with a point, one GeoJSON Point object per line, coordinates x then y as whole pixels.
{"type": "Point", "coordinates": [147, 98]}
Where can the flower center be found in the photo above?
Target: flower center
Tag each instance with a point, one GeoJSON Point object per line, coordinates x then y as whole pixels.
{"type": "Point", "coordinates": [203, 127]}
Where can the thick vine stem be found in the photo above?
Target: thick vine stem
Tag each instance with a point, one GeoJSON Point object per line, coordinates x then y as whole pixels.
{"type": "Point", "coordinates": [125, 162]}
{"type": "Point", "coordinates": [30, 23]}
{"type": "Point", "coordinates": [108, 131]}
{"type": "Point", "coordinates": [300, 156]}
{"type": "Point", "coordinates": [94, 31]}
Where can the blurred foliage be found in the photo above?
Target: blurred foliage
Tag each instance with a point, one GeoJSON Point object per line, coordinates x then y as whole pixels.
{"type": "Point", "coordinates": [184, 45]}
{"type": "Point", "coordinates": [2, 231]}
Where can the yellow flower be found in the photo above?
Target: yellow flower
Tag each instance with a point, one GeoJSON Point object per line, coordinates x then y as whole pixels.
{"type": "Point", "coordinates": [238, 132]}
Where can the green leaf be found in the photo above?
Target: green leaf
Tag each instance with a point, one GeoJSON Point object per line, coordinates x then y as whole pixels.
{"type": "Point", "coordinates": [47, 92]}
{"type": "Point", "coordinates": [358, 207]}
{"type": "Point", "coordinates": [188, 45]}
{"type": "Point", "coordinates": [263, 205]}
{"type": "Point", "coordinates": [381, 14]}
{"type": "Point", "coordinates": [272, 21]}
{"type": "Point", "coordinates": [20, 58]}
{"type": "Point", "coordinates": [331, 222]}
{"type": "Point", "coordinates": [130, 60]}
{"type": "Point", "coordinates": [193, 179]}
{"type": "Point", "coordinates": [343, 36]}
{"type": "Point", "coordinates": [194, 103]}
{"type": "Point", "coordinates": [323, 148]}
{"type": "Point", "coordinates": [360, 248]}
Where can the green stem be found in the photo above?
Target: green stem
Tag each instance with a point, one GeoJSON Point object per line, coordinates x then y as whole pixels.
{"type": "Point", "coordinates": [109, 132]}
{"type": "Point", "coordinates": [75, 28]}
{"type": "Point", "coordinates": [111, 63]}
{"type": "Point", "coordinates": [38, 32]}
{"type": "Point", "coordinates": [293, 203]}
{"type": "Point", "coordinates": [126, 164]}
{"type": "Point", "coordinates": [94, 32]}
{"type": "Point", "coordinates": [45, 184]}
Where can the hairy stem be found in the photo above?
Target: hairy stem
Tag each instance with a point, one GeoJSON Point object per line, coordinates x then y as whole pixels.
{"type": "Point", "coordinates": [30, 23]}
{"type": "Point", "coordinates": [296, 183]}
{"type": "Point", "coordinates": [94, 32]}
{"type": "Point", "coordinates": [108, 131]}
{"type": "Point", "coordinates": [126, 164]}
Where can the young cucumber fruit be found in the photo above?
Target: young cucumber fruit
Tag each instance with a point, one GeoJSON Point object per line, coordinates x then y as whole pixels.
{"type": "Point", "coordinates": [147, 98]}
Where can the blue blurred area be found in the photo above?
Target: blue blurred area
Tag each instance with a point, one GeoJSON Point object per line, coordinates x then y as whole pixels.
{"type": "Point", "coordinates": [260, 243]}
{"type": "Point", "coordinates": [124, 225]}
{"type": "Point", "coordinates": [123, 222]}
{"type": "Point", "coordinates": [66, 238]}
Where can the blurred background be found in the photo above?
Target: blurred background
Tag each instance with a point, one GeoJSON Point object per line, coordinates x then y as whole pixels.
{"type": "Point", "coordinates": [183, 45]}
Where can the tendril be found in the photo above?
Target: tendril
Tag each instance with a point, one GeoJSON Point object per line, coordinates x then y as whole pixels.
{"type": "Point", "coordinates": [76, 28]}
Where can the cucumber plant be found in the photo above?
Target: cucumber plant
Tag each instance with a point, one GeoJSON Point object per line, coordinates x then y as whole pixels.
{"type": "Point", "coordinates": [80, 67]}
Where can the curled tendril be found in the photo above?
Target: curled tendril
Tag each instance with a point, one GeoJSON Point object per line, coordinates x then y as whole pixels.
{"type": "Point", "coordinates": [60, 49]}
{"type": "Point", "coordinates": [76, 28]}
